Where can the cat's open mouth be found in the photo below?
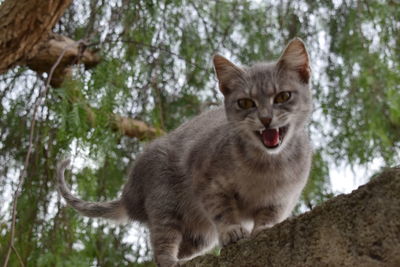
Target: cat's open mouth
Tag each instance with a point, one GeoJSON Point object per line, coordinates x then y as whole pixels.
{"type": "Point", "coordinates": [272, 138]}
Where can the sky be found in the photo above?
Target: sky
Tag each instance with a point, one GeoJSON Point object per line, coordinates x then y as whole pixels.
{"type": "Point", "coordinates": [345, 179]}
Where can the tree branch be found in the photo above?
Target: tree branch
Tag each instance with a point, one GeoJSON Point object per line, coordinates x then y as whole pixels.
{"type": "Point", "coordinates": [73, 52]}
{"type": "Point", "coordinates": [127, 126]}
{"type": "Point", "coordinates": [358, 229]}
{"type": "Point", "coordinates": [134, 128]}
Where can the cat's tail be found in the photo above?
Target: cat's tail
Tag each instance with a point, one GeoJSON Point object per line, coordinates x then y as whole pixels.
{"type": "Point", "coordinates": [113, 210]}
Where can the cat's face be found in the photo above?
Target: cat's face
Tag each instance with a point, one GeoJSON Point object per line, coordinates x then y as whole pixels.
{"type": "Point", "coordinates": [268, 102]}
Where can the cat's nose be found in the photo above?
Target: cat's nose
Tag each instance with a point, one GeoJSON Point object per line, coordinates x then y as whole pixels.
{"type": "Point", "coordinates": [266, 121]}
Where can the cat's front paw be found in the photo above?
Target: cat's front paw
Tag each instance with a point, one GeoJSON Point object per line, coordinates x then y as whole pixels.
{"type": "Point", "coordinates": [166, 261]}
{"type": "Point", "coordinates": [260, 228]}
{"type": "Point", "coordinates": [232, 234]}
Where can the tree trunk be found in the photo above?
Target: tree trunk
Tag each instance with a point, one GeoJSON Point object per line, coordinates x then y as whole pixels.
{"type": "Point", "coordinates": [24, 25]}
{"type": "Point", "coordinates": [358, 229]}
{"type": "Point", "coordinates": [26, 39]}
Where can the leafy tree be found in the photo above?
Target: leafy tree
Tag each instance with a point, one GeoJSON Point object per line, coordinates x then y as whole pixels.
{"type": "Point", "coordinates": [156, 67]}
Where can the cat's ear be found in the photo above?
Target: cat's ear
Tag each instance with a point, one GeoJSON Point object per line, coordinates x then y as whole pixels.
{"type": "Point", "coordinates": [225, 71]}
{"type": "Point", "coordinates": [295, 57]}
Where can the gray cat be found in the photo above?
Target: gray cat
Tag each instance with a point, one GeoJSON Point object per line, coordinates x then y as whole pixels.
{"type": "Point", "coordinates": [228, 173]}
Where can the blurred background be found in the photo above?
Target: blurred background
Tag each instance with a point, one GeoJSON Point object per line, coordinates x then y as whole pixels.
{"type": "Point", "coordinates": [156, 68]}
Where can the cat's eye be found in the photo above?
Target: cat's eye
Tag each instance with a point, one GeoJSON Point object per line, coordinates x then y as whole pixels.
{"type": "Point", "coordinates": [246, 103]}
{"type": "Point", "coordinates": [282, 97]}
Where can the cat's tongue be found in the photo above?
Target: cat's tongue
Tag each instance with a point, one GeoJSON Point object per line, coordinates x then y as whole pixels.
{"type": "Point", "coordinates": [270, 137]}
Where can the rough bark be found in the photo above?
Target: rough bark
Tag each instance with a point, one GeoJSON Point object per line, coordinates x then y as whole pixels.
{"type": "Point", "coordinates": [66, 52]}
{"type": "Point", "coordinates": [24, 25]}
{"type": "Point", "coordinates": [26, 39]}
{"type": "Point", "coordinates": [358, 229]}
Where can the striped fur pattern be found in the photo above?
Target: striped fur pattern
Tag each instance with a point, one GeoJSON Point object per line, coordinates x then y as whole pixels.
{"type": "Point", "coordinates": [216, 179]}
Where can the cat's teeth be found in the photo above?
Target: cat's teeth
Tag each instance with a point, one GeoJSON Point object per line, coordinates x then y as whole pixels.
{"type": "Point", "coordinates": [261, 131]}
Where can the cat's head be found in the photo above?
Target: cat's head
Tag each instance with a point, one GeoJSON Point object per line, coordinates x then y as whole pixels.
{"type": "Point", "coordinates": [268, 102]}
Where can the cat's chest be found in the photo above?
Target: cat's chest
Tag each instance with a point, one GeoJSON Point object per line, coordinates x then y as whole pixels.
{"type": "Point", "coordinates": [272, 183]}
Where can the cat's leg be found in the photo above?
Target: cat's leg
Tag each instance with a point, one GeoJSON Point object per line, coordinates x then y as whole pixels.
{"type": "Point", "coordinates": [199, 235]}
{"type": "Point", "coordinates": [265, 218]}
{"type": "Point", "coordinates": [165, 225]}
{"type": "Point", "coordinates": [165, 239]}
{"type": "Point", "coordinates": [191, 246]}
{"type": "Point", "coordinates": [224, 211]}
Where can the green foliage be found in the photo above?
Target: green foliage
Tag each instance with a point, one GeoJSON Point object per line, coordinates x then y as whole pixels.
{"type": "Point", "coordinates": [317, 189]}
{"type": "Point", "coordinates": [156, 67]}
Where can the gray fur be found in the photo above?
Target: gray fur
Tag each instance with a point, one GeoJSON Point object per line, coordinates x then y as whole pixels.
{"type": "Point", "coordinates": [110, 210]}
{"type": "Point", "coordinates": [213, 179]}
